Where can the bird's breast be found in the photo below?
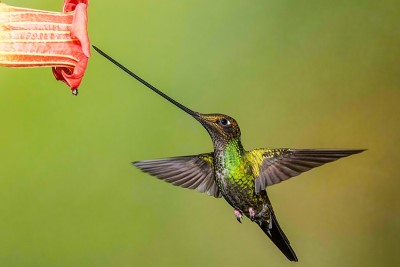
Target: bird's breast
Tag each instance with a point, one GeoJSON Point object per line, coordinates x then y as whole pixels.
{"type": "Point", "coordinates": [236, 183]}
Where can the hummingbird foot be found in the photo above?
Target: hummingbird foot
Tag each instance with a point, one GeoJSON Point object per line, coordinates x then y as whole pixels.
{"type": "Point", "coordinates": [252, 214]}
{"type": "Point", "coordinates": [238, 215]}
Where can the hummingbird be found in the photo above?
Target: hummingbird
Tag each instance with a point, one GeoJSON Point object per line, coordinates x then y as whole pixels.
{"type": "Point", "coordinates": [239, 176]}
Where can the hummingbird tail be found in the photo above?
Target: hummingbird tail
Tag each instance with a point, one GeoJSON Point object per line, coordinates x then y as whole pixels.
{"type": "Point", "coordinates": [276, 234]}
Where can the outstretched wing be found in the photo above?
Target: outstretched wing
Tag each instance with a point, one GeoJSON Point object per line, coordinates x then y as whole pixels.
{"type": "Point", "coordinates": [277, 165]}
{"type": "Point", "coordinates": [193, 172]}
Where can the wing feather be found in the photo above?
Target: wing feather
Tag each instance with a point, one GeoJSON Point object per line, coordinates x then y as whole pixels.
{"type": "Point", "coordinates": [278, 165]}
{"type": "Point", "coordinates": [193, 172]}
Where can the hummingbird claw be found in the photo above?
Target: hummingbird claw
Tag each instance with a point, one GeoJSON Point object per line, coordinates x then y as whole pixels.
{"type": "Point", "coordinates": [252, 214]}
{"type": "Point", "coordinates": [238, 215]}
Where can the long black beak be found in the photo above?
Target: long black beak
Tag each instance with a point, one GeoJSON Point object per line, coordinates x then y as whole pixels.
{"type": "Point", "coordinates": [119, 65]}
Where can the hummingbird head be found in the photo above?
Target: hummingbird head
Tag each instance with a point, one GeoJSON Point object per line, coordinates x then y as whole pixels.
{"type": "Point", "coordinates": [220, 127]}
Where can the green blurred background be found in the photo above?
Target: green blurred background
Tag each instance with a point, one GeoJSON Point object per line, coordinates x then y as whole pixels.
{"type": "Point", "coordinates": [302, 74]}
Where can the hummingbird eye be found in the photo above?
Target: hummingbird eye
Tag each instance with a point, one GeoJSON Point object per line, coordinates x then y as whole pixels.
{"type": "Point", "coordinates": [224, 122]}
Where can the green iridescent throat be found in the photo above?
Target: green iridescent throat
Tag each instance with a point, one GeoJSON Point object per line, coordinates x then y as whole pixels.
{"type": "Point", "coordinates": [233, 158]}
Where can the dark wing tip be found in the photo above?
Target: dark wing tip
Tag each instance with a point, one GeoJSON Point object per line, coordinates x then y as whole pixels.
{"type": "Point", "coordinates": [136, 164]}
{"type": "Point", "coordinates": [356, 151]}
{"type": "Point", "coordinates": [141, 165]}
{"type": "Point", "coordinates": [350, 151]}
{"type": "Point", "coordinates": [328, 151]}
{"type": "Point", "coordinates": [323, 154]}
{"type": "Point", "coordinates": [347, 152]}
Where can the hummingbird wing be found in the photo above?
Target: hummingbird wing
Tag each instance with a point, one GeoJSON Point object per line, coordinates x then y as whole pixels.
{"type": "Point", "coordinates": [273, 166]}
{"type": "Point", "coordinates": [193, 172]}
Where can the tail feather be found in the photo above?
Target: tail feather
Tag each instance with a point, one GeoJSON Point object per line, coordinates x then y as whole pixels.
{"type": "Point", "coordinates": [275, 233]}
